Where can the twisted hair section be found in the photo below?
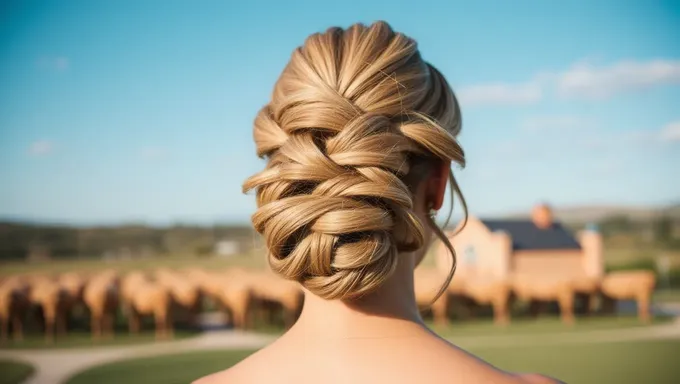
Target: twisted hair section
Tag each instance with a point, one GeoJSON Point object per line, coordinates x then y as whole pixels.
{"type": "Point", "coordinates": [354, 121]}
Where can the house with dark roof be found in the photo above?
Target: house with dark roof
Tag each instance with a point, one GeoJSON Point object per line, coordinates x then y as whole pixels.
{"type": "Point", "coordinates": [538, 245]}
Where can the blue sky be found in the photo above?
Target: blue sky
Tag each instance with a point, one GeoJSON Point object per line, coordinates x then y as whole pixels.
{"type": "Point", "coordinates": [117, 111]}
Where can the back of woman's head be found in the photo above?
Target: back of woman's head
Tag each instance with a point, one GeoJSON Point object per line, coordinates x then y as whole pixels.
{"type": "Point", "coordinates": [356, 121]}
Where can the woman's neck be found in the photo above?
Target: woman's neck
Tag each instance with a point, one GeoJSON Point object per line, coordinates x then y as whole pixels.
{"type": "Point", "coordinates": [391, 311]}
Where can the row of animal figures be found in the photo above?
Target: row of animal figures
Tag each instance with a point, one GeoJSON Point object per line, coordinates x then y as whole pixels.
{"type": "Point", "coordinates": [160, 295]}
{"type": "Point", "coordinates": [566, 291]}
{"type": "Point", "coordinates": [245, 294]}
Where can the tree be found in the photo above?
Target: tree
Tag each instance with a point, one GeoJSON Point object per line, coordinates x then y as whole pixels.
{"type": "Point", "coordinates": [663, 231]}
{"type": "Point", "coordinates": [615, 224]}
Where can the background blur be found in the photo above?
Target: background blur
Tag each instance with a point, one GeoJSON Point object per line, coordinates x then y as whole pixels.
{"type": "Point", "coordinates": [125, 126]}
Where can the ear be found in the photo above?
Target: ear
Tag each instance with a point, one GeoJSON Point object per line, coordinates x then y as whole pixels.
{"type": "Point", "coordinates": [437, 184]}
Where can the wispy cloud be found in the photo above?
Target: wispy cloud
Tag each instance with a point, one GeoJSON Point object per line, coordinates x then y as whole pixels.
{"type": "Point", "coordinates": [584, 80]}
{"type": "Point", "coordinates": [667, 134]}
{"type": "Point", "coordinates": [651, 138]}
{"type": "Point", "coordinates": [153, 153]}
{"type": "Point", "coordinates": [557, 122]}
{"type": "Point", "coordinates": [40, 148]}
{"type": "Point", "coordinates": [670, 132]}
{"type": "Point", "coordinates": [590, 81]}
{"type": "Point", "coordinates": [53, 63]}
{"type": "Point", "coordinates": [550, 137]}
{"type": "Point", "coordinates": [607, 165]}
{"type": "Point", "coordinates": [500, 94]}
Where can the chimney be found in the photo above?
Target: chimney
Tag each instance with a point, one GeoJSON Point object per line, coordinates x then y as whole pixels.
{"type": "Point", "coordinates": [542, 216]}
{"type": "Point", "coordinates": [591, 244]}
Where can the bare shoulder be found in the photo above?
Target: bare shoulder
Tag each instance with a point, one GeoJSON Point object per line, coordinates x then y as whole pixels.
{"type": "Point", "coordinates": [477, 370]}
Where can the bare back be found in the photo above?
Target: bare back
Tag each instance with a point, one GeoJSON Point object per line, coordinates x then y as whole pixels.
{"type": "Point", "coordinates": [420, 357]}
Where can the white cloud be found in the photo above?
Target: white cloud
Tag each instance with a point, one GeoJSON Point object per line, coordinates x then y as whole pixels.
{"type": "Point", "coordinates": [54, 63]}
{"type": "Point", "coordinates": [605, 166]}
{"type": "Point", "coordinates": [549, 136]}
{"type": "Point", "coordinates": [589, 81]}
{"type": "Point", "coordinates": [153, 153]}
{"type": "Point", "coordinates": [500, 94]}
{"type": "Point", "coordinates": [582, 80]}
{"type": "Point", "coordinates": [556, 123]}
{"type": "Point", "coordinates": [40, 148]}
{"type": "Point", "coordinates": [670, 132]}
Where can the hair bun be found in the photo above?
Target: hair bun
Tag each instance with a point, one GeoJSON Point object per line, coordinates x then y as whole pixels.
{"type": "Point", "coordinates": [339, 135]}
{"type": "Point", "coordinates": [331, 204]}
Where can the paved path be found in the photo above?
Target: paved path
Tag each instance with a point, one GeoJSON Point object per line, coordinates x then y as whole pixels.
{"type": "Point", "coordinates": [56, 366]}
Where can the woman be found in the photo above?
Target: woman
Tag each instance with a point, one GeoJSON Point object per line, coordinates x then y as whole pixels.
{"type": "Point", "coordinates": [359, 138]}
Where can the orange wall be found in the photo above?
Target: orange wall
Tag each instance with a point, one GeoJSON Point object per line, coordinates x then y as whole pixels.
{"type": "Point", "coordinates": [593, 261]}
{"type": "Point", "coordinates": [478, 251]}
{"type": "Point", "coordinates": [548, 262]}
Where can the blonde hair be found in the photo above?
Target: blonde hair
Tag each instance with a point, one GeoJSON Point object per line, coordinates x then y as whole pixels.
{"type": "Point", "coordinates": [357, 119]}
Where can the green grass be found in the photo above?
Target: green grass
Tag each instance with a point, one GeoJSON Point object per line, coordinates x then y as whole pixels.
{"type": "Point", "coordinates": [171, 369]}
{"type": "Point", "coordinates": [617, 255]}
{"type": "Point", "coordinates": [518, 326]}
{"type": "Point", "coordinates": [477, 327]}
{"type": "Point", "coordinates": [84, 339]}
{"type": "Point", "coordinates": [14, 372]}
{"type": "Point", "coordinates": [621, 363]}
{"type": "Point", "coordinates": [667, 296]}
{"type": "Point", "coordinates": [541, 326]}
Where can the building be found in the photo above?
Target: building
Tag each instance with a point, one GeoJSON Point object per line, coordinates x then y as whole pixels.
{"type": "Point", "coordinates": [226, 248]}
{"type": "Point", "coordinates": [538, 246]}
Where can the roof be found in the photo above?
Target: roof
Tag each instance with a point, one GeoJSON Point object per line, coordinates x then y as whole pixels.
{"type": "Point", "coordinates": [526, 235]}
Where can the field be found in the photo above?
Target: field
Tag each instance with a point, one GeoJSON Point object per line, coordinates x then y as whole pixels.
{"type": "Point", "coordinates": [667, 296]}
{"type": "Point", "coordinates": [548, 325]}
{"type": "Point", "coordinates": [526, 344]}
{"type": "Point", "coordinates": [544, 345]}
{"type": "Point", "coordinates": [614, 258]}
{"type": "Point", "coordinates": [621, 363]}
{"type": "Point", "coordinates": [178, 369]}
{"type": "Point", "coordinates": [14, 372]}
{"type": "Point", "coordinates": [82, 339]}
{"type": "Point", "coordinates": [93, 265]}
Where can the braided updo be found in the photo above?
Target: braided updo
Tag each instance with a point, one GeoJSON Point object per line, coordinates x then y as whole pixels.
{"type": "Point", "coordinates": [356, 119]}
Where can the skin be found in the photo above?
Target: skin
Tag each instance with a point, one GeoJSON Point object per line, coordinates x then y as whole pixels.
{"type": "Point", "coordinates": [378, 339]}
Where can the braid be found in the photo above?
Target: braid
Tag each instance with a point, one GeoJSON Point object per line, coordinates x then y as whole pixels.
{"type": "Point", "coordinates": [348, 116]}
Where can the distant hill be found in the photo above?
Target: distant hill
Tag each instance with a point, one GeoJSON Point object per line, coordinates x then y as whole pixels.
{"type": "Point", "coordinates": [595, 213]}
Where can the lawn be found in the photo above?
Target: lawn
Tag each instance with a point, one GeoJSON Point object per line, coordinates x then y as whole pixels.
{"type": "Point", "coordinates": [540, 326]}
{"type": "Point", "coordinates": [14, 372]}
{"type": "Point", "coordinates": [84, 339]}
{"type": "Point", "coordinates": [477, 327]}
{"type": "Point", "coordinates": [169, 369]}
{"type": "Point", "coordinates": [621, 363]}
{"type": "Point", "coordinates": [667, 296]}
